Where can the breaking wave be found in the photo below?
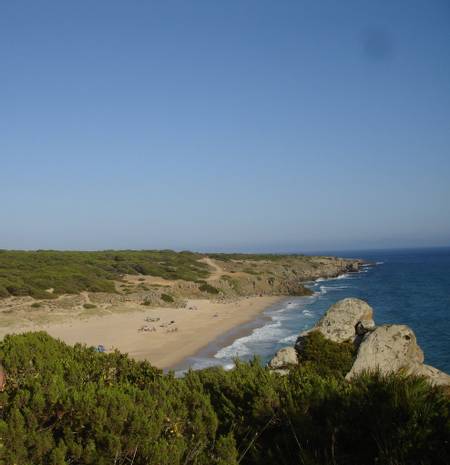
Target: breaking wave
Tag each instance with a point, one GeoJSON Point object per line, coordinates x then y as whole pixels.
{"type": "Point", "coordinates": [285, 320]}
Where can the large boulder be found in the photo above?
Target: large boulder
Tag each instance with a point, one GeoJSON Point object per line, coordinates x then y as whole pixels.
{"type": "Point", "coordinates": [388, 348]}
{"type": "Point", "coordinates": [346, 320]}
{"type": "Point", "coordinates": [284, 358]}
{"type": "Point", "coordinates": [434, 376]}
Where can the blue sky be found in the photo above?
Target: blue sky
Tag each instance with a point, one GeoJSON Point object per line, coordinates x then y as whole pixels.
{"type": "Point", "coordinates": [224, 125]}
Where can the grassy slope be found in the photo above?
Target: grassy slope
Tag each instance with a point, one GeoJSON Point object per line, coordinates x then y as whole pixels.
{"type": "Point", "coordinates": [31, 273]}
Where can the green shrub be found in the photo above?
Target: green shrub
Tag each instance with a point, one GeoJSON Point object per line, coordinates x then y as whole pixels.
{"type": "Point", "coordinates": [89, 306]}
{"type": "Point", "coordinates": [208, 288]}
{"type": "Point", "coordinates": [66, 404]}
{"type": "Point", "coordinates": [250, 271]}
{"type": "Point", "coordinates": [328, 358]}
{"type": "Point", "coordinates": [167, 298]}
{"type": "Point", "coordinates": [31, 273]}
{"type": "Point", "coordinates": [255, 257]}
{"type": "Point", "coordinates": [4, 292]}
{"type": "Point", "coordinates": [84, 407]}
{"type": "Point", "coordinates": [36, 305]}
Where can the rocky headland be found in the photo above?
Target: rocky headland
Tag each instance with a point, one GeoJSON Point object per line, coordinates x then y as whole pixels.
{"type": "Point", "coordinates": [384, 348]}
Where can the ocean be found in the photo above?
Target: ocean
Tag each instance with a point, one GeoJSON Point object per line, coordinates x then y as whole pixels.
{"type": "Point", "coordinates": [409, 287]}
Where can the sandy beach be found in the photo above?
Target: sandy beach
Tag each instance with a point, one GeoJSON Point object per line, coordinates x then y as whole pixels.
{"type": "Point", "coordinates": [178, 334]}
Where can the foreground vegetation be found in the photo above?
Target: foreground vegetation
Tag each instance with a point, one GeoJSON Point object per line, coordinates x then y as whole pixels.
{"type": "Point", "coordinates": [72, 405]}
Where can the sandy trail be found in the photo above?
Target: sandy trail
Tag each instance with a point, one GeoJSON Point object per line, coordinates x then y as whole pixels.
{"type": "Point", "coordinates": [217, 272]}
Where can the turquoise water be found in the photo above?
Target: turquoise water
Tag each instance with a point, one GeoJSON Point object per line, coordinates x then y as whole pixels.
{"type": "Point", "coordinates": [411, 287]}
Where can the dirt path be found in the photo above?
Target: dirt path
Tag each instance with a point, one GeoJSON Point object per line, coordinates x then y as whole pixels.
{"type": "Point", "coordinates": [86, 297]}
{"type": "Point", "coordinates": [217, 270]}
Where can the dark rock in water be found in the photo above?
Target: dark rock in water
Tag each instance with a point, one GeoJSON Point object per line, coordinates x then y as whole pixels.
{"type": "Point", "coordinates": [353, 267]}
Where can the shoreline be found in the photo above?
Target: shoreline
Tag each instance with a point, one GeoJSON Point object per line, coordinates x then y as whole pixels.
{"type": "Point", "coordinates": [225, 339]}
{"type": "Point", "coordinates": [166, 347]}
{"type": "Point", "coordinates": [136, 320]}
{"type": "Point", "coordinates": [245, 329]}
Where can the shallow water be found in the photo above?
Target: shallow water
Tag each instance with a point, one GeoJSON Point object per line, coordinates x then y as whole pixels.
{"type": "Point", "coordinates": [405, 286]}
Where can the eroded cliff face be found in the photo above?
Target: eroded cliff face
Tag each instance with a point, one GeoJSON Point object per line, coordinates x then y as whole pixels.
{"type": "Point", "coordinates": [385, 348]}
{"type": "Point", "coordinates": [231, 278]}
{"type": "Point", "coordinates": [282, 276]}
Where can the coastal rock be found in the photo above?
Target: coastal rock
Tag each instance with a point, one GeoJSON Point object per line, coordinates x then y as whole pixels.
{"type": "Point", "coordinates": [434, 376]}
{"type": "Point", "coordinates": [284, 358]}
{"type": "Point", "coordinates": [389, 348]}
{"type": "Point", "coordinates": [346, 320]}
{"type": "Point", "coordinates": [283, 277]}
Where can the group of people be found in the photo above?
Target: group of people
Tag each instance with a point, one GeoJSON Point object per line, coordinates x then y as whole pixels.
{"type": "Point", "coordinates": [150, 329]}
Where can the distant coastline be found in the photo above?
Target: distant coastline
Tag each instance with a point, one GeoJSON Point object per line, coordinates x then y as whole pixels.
{"type": "Point", "coordinates": [151, 316]}
{"type": "Point", "coordinates": [405, 285]}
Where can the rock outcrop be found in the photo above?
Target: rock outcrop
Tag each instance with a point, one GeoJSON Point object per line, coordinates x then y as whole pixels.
{"type": "Point", "coordinates": [392, 348]}
{"type": "Point", "coordinates": [346, 320]}
{"type": "Point", "coordinates": [386, 348]}
{"type": "Point", "coordinates": [435, 377]}
{"type": "Point", "coordinates": [284, 358]}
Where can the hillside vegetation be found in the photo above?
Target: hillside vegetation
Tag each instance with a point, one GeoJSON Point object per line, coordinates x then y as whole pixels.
{"type": "Point", "coordinates": [48, 274]}
{"type": "Point", "coordinates": [66, 405]}
{"type": "Point", "coordinates": [33, 273]}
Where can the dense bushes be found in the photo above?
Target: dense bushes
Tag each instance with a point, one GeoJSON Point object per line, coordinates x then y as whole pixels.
{"type": "Point", "coordinates": [167, 298]}
{"type": "Point", "coordinates": [73, 405]}
{"type": "Point", "coordinates": [326, 357]}
{"type": "Point", "coordinates": [89, 306]}
{"type": "Point", "coordinates": [33, 273]}
{"type": "Point", "coordinates": [65, 405]}
{"type": "Point", "coordinates": [226, 257]}
{"type": "Point", "coordinates": [205, 287]}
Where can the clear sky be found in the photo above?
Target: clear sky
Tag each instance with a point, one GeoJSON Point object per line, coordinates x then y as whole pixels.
{"type": "Point", "coordinates": [246, 125]}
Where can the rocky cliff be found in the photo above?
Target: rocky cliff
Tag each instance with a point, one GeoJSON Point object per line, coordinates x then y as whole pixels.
{"type": "Point", "coordinates": [385, 348]}
{"type": "Point", "coordinates": [281, 275]}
